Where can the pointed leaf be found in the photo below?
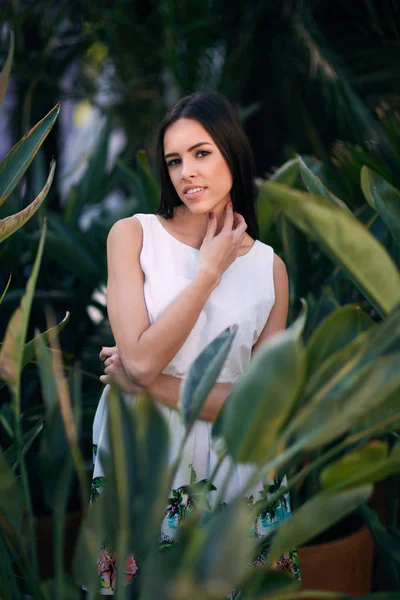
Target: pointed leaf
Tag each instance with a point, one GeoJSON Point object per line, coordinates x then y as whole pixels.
{"type": "Point", "coordinates": [335, 332]}
{"type": "Point", "coordinates": [11, 224]}
{"type": "Point", "coordinates": [262, 399]}
{"type": "Point", "coordinates": [47, 336]}
{"type": "Point", "coordinates": [13, 167]}
{"type": "Point", "coordinates": [149, 183]}
{"type": "Point", "coordinates": [11, 498]}
{"type": "Point", "coordinates": [340, 405]}
{"type": "Point", "coordinates": [384, 198]}
{"type": "Point", "coordinates": [314, 517]}
{"type": "Point", "coordinates": [365, 465]}
{"type": "Point", "coordinates": [315, 186]}
{"type": "Point", "coordinates": [202, 376]}
{"type": "Point", "coordinates": [287, 173]}
{"type": "Point", "coordinates": [345, 240]}
{"type": "Point", "coordinates": [6, 288]}
{"type": "Point", "coordinates": [5, 72]}
{"type": "Point", "coordinates": [12, 350]}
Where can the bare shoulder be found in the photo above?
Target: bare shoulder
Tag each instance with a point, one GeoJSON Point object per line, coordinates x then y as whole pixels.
{"type": "Point", "coordinates": [126, 232]}
{"type": "Point", "coordinates": [279, 267]}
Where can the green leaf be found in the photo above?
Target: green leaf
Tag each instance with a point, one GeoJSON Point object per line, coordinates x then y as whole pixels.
{"type": "Point", "coordinates": [5, 72]}
{"type": "Point", "coordinates": [344, 401]}
{"type": "Point", "coordinates": [13, 167]}
{"type": "Point", "coordinates": [346, 466]}
{"type": "Point", "coordinates": [287, 173]}
{"type": "Point", "coordinates": [47, 336]}
{"type": "Point", "coordinates": [135, 468]}
{"type": "Point", "coordinates": [11, 498]}
{"type": "Point", "coordinates": [346, 241]}
{"type": "Point", "coordinates": [263, 398]}
{"type": "Point", "coordinates": [27, 440]}
{"type": "Point", "coordinates": [12, 223]}
{"type": "Point", "coordinates": [314, 517]}
{"type": "Point", "coordinates": [149, 183]}
{"type": "Point", "coordinates": [6, 289]}
{"type": "Point", "coordinates": [202, 376]}
{"type": "Point", "coordinates": [315, 186]}
{"type": "Point", "coordinates": [69, 248]}
{"type": "Point", "coordinates": [12, 350]}
{"type": "Point", "coordinates": [212, 558]}
{"type": "Point", "coordinates": [336, 331]}
{"type": "Point", "coordinates": [90, 184]}
{"type": "Point", "coordinates": [365, 465]}
{"type": "Point", "coordinates": [384, 198]}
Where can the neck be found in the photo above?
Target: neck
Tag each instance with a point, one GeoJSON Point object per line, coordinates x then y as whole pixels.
{"type": "Point", "coordinates": [195, 226]}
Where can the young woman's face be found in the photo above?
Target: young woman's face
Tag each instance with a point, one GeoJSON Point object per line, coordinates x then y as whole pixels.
{"type": "Point", "coordinates": [197, 169]}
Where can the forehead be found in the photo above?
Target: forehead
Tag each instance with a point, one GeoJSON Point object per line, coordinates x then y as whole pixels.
{"type": "Point", "coordinates": [185, 133]}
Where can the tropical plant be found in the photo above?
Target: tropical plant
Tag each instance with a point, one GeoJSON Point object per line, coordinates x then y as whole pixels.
{"type": "Point", "coordinates": [362, 247]}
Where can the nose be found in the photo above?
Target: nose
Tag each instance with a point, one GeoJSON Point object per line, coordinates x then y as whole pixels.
{"type": "Point", "coordinates": [188, 169]}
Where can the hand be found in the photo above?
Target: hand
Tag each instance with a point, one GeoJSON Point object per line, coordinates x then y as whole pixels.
{"type": "Point", "coordinates": [115, 372]}
{"type": "Point", "coordinates": [218, 252]}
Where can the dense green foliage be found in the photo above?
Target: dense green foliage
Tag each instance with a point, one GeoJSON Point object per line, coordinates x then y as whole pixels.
{"type": "Point", "coordinates": [330, 422]}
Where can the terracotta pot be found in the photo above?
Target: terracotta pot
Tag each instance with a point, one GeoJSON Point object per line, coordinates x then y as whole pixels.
{"type": "Point", "coordinates": [344, 565]}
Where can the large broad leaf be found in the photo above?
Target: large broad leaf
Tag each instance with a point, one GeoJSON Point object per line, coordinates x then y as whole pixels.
{"type": "Point", "coordinates": [315, 186]}
{"type": "Point", "coordinates": [11, 498]}
{"type": "Point", "coordinates": [344, 239]}
{"type": "Point", "coordinates": [12, 351]}
{"type": "Point", "coordinates": [287, 173]}
{"type": "Point", "coordinates": [14, 222]}
{"type": "Point", "coordinates": [202, 376]}
{"type": "Point", "coordinates": [384, 198]}
{"type": "Point", "coordinates": [335, 332]}
{"type": "Point", "coordinates": [5, 72]}
{"type": "Point", "coordinates": [13, 167]}
{"type": "Point", "coordinates": [136, 474]}
{"type": "Point", "coordinates": [314, 517]}
{"type": "Point", "coordinates": [261, 401]}
{"type": "Point", "coordinates": [364, 465]}
{"type": "Point", "coordinates": [342, 403]}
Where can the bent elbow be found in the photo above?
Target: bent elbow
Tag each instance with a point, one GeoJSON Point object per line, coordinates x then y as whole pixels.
{"type": "Point", "coordinates": [141, 375]}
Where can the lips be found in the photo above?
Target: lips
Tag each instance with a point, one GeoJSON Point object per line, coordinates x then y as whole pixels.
{"type": "Point", "coordinates": [193, 190]}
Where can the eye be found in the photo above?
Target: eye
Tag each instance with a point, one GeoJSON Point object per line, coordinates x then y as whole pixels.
{"type": "Point", "coordinates": [173, 162]}
{"type": "Point", "coordinates": [202, 153]}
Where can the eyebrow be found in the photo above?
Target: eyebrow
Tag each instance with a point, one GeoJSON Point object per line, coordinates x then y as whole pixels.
{"type": "Point", "coordinates": [189, 149]}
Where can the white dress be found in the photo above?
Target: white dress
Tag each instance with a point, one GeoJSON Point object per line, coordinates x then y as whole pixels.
{"type": "Point", "coordinates": [245, 297]}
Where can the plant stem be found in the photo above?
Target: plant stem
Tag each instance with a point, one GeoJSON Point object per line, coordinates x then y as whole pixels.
{"type": "Point", "coordinates": [27, 495]}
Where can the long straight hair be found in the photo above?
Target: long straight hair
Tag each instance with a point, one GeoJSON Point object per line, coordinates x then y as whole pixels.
{"type": "Point", "coordinates": [218, 117]}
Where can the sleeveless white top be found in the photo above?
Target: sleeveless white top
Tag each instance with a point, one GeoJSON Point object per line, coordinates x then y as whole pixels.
{"type": "Point", "coordinates": [244, 296]}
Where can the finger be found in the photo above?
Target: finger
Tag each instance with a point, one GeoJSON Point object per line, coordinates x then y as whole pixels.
{"type": "Point", "coordinates": [211, 227]}
{"type": "Point", "coordinates": [104, 379]}
{"type": "Point", "coordinates": [228, 222]}
{"type": "Point", "coordinates": [241, 226]}
{"type": "Point", "coordinates": [108, 361]}
{"type": "Point", "coordinates": [106, 351]}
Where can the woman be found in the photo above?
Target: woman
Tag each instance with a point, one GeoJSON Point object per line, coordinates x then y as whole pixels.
{"type": "Point", "coordinates": [177, 278]}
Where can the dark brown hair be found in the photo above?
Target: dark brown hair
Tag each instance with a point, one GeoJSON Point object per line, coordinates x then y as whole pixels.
{"type": "Point", "coordinates": [218, 117]}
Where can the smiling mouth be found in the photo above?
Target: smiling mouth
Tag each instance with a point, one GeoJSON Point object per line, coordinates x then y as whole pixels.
{"type": "Point", "coordinates": [193, 191]}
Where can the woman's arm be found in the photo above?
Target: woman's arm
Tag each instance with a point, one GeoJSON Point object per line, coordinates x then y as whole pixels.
{"type": "Point", "coordinates": [278, 315]}
{"type": "Point", "coordinates": [147, 349]}
{"type": "Point", "coordinates": [165, 388]}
